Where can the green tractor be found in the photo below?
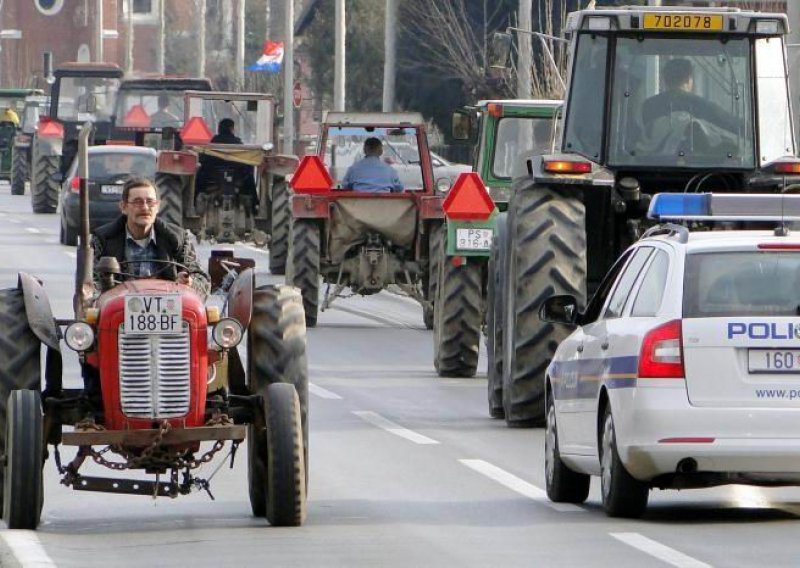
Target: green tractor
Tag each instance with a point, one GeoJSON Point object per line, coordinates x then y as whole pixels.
{"type": "Point", "coordinates": [12, 104]}
{"type": "Point", "coordinates": [686, 100]}
{"type": "Point", "coordinates": [34, 107]}
{"type": "Point", "coordinates": [461, 267]}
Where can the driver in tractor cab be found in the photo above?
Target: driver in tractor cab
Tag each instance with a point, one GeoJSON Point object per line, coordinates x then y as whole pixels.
{"type": "Point", "coordinates": [10, 115]}
{"type": "Point", "coordinates": [371, 174]}
{"type": "Point", "coordinates": [211, 165]}
{"type": "Point", "coordinates": [163, 117]}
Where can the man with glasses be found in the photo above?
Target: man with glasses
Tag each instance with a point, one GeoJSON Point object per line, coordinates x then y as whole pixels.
{"type": "Point", "coordinates": [138, 239]}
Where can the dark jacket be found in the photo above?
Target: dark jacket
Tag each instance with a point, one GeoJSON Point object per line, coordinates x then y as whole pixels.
{"type": "Point", "coordinates": [171, 244]}
{"type": "Point", "coordinates": [679, 101]}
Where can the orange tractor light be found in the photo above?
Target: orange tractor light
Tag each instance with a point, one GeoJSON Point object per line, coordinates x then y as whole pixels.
{"type": "Point", "coordinates": [787, 168]}
{"type": "Point", "coordinates": [567, 167]}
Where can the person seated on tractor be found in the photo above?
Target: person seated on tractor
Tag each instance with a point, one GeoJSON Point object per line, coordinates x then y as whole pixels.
{"type": "Point", "coordinates": [678, 78]}
{"type": "Point", "coordinates": [9, 115]}
{"type": "Point", "coordinates": [371, 174]}
{"type": "Point", "coordinates": [163, 117]}
{"type": "Point", "coordinates": [212, 166]}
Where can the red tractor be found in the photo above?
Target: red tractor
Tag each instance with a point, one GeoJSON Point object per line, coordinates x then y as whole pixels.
{"type": "Point", "coordinates": [364, 242]}
{"type": "Point", "coordinates": [170, 378]}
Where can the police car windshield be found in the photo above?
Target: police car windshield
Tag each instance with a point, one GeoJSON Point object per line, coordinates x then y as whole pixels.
{"type": "Point", "coordinates": [742, 284]}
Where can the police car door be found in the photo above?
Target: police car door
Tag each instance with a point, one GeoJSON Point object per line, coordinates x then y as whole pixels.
{"type": "Point", "coordinates": [610, 351]}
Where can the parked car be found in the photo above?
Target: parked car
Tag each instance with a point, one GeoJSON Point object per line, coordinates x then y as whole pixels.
{"type": "Point", "coordinates": [683, 370]}
{"type": "Point", "coordinates": [402, 156]}
{"type": "Point", "coordinates": [109, 168]}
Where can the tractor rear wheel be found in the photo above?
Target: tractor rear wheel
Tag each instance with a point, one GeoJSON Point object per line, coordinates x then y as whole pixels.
{"type": "Point", "coordinates": [457, 319]}
{"type": "Point", "coordinates": [19, 171]}
{"type": "Point", "coordinates": [547, 256]}
{"type": "Point", "coordinates": [286, 468]}
{"type": "Point", "coordinates": [281, 223]}
{"type": "Point", "coordinates": [170, 191]}
{"type": "Point", "coordinates": [44, 187]}
{"type": "Point", "coordinates": [304, 258]}
{"type": "Point", "coordinates": [23, 491]}
{"type": "Point", "coordinates": [20, 357]}
{"type": "Point", "coordinates": [430, 281]}
{"type": "Point", "coordinates": [495, 302]}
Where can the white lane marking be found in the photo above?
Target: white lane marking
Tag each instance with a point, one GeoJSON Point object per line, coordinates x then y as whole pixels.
{"type": "Point", "coordinates": [322, 393]}
{"type": "Point", "coordinates": [519, 485]}
{"type": "Point", "coordinates": [381, 422]}
{"type": "Point", "coordinates": [33, 230]}
{"type": "Point", "coordinates": [658, 550]}
{"type": "Point", "coordinates": [71, 253]}
{"type": "Point", "coordinates": [12, 220]}
{"type": "Point", "coordinates": [27, 549]}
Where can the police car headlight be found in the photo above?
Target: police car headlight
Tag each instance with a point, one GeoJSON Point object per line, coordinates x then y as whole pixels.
{"type": "Point", "coordinates": [227, 333]}
{"type": "Point", "coordinates": [79, 336]}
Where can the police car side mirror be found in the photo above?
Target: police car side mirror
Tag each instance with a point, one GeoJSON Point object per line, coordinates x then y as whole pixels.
{"type": "Point", "coordinates": [560, 309]}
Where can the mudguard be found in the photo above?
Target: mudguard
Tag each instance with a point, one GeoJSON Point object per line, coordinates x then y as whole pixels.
{"type": "Point", "coordinates": [177, 162]}
{"type": "Point", "coordinates": [281, 164]}
{"type": "Point", "coordinates": [48, 145]}
{"type": "Point", "coordinates": [240, 298]}
{"type": "Point", "coordinates": [38, 311]}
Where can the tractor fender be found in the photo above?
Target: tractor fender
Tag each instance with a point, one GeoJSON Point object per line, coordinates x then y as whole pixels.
{"type": "Point", "coordinates": [534, 165]}
{"type": "Point", "coordinates": [281, 164]}
{"type": "Point", "coordinates": [38, 311]}
{"type": "Point", "coordinates": [240, 298]}
{"type": "Point", "coordinates": [49, 145]}
{"type": "Point", "coordinates": [177, 163]}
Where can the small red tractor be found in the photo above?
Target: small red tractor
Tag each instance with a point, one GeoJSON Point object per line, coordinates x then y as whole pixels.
{"type": "Point", "coordinates": [364, 242]}
{"type": "Point", "coordinates": [170, 379]}
{"type": "Point", "coordinates": [204, 185]}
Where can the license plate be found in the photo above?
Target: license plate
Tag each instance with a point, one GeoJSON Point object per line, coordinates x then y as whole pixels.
{"type": "Point", "coordinates": [148, 314]}
{"type": "Point", "coordinates": [773, 360]}
{"type": "Point", "coordinates": [474, 239]}
{"type": "Point", "coordinates": [679, 22]}
{"type": "Point", "coordinates": [111, 189]}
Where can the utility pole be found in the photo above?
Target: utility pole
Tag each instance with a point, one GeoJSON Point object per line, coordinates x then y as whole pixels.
{"type": "Point", "coordinates": [339, 59]}
{"type": "Point", "coordinates": [389, 61]}
{"type": "Point", "coordinates": [129, 58]}
{"type": "Point", "coordinates": [288, 80]}
{"type": "Point", "coordinates": [524, 62]}
{"type": "Point", "coordinates": [98, 15]}
{"type": "Point", "coordinates": [201, 37]}
{"type": "Point", "coordinates": [240, 16]}
{"type": "Point", "coordinates": [162, 47]}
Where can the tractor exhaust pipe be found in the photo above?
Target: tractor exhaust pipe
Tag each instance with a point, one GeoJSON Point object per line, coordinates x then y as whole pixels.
{"type": "Point", "coordinates": [84, 283]}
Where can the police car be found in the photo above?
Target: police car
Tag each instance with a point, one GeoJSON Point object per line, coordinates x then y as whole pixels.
{"type": "Point", "coordinates": [684, 369]}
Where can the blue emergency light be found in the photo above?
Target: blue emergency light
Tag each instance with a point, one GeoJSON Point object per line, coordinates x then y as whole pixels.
{"type": "Point", "coordinates": [724, 207]}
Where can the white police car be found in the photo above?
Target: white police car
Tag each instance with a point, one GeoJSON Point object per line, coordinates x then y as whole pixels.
{"type": "Point", "coordinates": [684, 370]}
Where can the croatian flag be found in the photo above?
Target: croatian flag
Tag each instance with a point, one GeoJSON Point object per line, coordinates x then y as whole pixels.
{"type": "Point", "coordinates": [270, 61]}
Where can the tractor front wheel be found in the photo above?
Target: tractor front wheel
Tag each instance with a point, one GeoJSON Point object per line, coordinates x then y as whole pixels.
{"type": "Point", "coordinates": [304, 259]}
{"type": "Point", "coordinates": [281, 223]}
{"type": "Point", "coordinates": [170, 190]}
{"type": "Point", "coordinates": [44, 185]}
{"type": "Point", "coordinates": [23, 492]}
{"type": "Point", "coordinates": [19, 171]}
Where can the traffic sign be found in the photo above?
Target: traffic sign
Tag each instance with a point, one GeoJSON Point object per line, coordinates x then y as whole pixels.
{"type": "Point", "coordinates": [196, 131]}
{"type": "Point", "coordinates": [297, 94]}
{"type": "Point", "coordinates": [468, 199]}
{"type": "Point", "coordinates": [311, 176]}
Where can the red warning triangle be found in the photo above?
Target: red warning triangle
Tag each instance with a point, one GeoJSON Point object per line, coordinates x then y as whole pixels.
{"type": "Point", "coordinates": [49, 128]}
{"type": "Point", "coordinates": [468, 199]}
{"type": "Point", "coordinates": [196, 131]}
{"type": "Point", "coordinates": [311, 176]}
{"type": "Point", "coordinates": [137, 117]}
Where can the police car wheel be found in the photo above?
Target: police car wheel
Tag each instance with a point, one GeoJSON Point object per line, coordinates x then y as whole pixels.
{"type": "Point", "coordinates": [563, 485]}
{"type": "Point", "coordinates": [623, 495]}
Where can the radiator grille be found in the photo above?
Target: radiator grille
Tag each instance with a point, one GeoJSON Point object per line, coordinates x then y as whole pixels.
{"type": "Point", "coordinates": [154, 374]}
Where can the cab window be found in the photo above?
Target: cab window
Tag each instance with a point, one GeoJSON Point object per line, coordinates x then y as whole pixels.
{"type": "Point", "coordinates": [616, 303]}
{"type": "Point", "coordinates": [651, 291]}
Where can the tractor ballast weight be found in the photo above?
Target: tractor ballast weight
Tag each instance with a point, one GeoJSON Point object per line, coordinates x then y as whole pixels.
{"type": "Point", "coordinates": [163, 375]}
{"type": "Point", "coordinates": [80, 92]}
{"type": "Point", "coordinates": [629, 132]}
{"type": "Point", "coordinates": [362, 242]}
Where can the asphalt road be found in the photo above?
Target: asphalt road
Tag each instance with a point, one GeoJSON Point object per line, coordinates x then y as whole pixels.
{"type": "Point", "coordinates": [406, 469]}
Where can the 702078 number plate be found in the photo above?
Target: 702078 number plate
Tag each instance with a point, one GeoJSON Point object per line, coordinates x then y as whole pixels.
{"type": "Point", "coordinates": [150, 314]}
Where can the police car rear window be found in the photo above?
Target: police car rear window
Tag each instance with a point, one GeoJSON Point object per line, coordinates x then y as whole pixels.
{"type": "Point", "coordinates": [742, 284]}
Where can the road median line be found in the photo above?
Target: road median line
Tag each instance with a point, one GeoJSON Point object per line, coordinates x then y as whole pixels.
{"type": "Point", "coordinates": [22, 549]}
{"type": "Point", "coordinates": [377, 420]}
{"type": "Point", "coordinates": [658, 550]}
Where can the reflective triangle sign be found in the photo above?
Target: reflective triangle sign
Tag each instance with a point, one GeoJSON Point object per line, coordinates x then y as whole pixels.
{"type": "Point", "coordinates": [196, 131]}
{"type": "Point", "coordinates": [468, 199]}
{"type": "Point", "coordinates": [137, 117]}
{"type": "Point", "coordinates": [50, 129]}
{"type": "Point", "coordinates": [311, 176]}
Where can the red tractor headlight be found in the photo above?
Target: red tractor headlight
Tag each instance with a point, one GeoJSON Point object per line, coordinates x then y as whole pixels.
{"type": "Point", "coordinates": [79, 336]}
{"type": "Point", "coordinates": [227, 333]}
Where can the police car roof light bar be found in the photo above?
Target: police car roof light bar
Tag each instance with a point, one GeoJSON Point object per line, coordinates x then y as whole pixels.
{"type": "Point", "coordinates": [723, 207]}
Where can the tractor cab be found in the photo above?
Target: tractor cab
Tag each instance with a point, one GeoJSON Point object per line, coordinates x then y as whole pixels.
{"type": "Point", "coordinates": [12, 106]}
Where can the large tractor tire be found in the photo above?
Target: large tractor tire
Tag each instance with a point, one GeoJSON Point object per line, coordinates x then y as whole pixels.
{"type": "Point", "coordinates": [170, 191]}
{"type": "Point", "coordinates": [430, 282]}
{"type": "Point", "coordinates": [281, 226]}
{"type": "Point", "coordinates": [44, 185]}
{"type": "Point", "coordinates": [547, 256]}
{"type": "Point", "coordinates": [23, 489]}
{"type": "Point", "coordinates": [20, 358]}
{"type": "Point", "coordinates": [303, 270]}
{"type": "Point", "coordinates": [286, 468]}
{"type": "Point", "coordinates": [276, 347]}
{"type": "Point", "coordinates": [19, 171]}
{"type": "Point", "coordinates": [495, 306]}
{"type": "Point", "coordinates": [457, 319]}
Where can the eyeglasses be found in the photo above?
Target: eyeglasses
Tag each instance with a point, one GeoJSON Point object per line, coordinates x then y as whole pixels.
{"type": "Point", "coordinates": [139, 202]}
